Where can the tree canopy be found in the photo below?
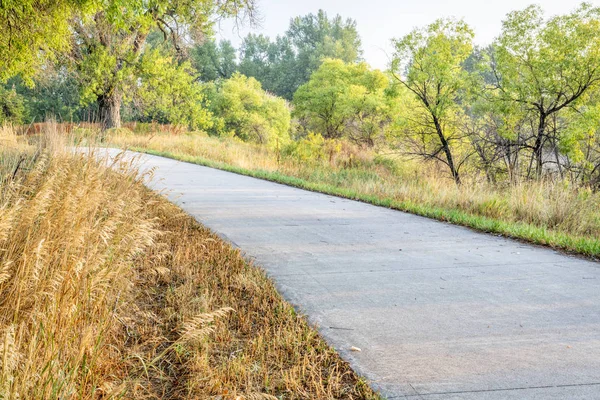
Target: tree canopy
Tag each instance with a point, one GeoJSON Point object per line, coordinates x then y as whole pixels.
{"type": "Point", "coordinates": [544, 67]}
{"type": "Point", "coordinates": [287, 62]}
{"type": "Point", "coordinates": [343, 99]}
{"type": "Point", "coordinates": [245, 111]}
{"type": "Point", "coordinates": [429, 63]}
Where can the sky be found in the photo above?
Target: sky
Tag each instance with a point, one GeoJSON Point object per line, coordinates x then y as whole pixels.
{"type": "Point", "coordinates": [381, 20]}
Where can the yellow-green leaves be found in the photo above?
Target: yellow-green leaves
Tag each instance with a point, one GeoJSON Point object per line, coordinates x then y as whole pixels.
{"type": "Point", "coordinates": [32, 30]}
{"type": "Point", "coordinates": [343, 99]}
{"type": "Point", "coordinates": [242, 109]}
{"type": "Point", "coordinates": [429, 63]}
{"type": "Point", "coordinates": [543, 70]}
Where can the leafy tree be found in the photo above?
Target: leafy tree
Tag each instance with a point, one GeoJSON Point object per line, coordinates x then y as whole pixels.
{"type": "Point", "coordinates": [243, 110]}
{"type": "Point", "coordinates": [32, 30]}
{"type": "Point", "coordinates": [288, 62]}
{"type": "Point", "coordinates": [54, 95]}
{"type": "Point", "coordinates": [168, 92]}
{"type": "Point", "coordinates": [271, 63]}
{"type": "Point", "coordinates": [108, 47]}
{"type": "Point", "coordinates": [429, 63]}
{"type": "Point", "coordinates": [12, 107]}
{"type": "Point", "coordinates": [316, 37]}
{"type": "Point", "coordinates": [343, 99]}
{"type": "Point", "coordinates": [214, 60]}
{"type": "Point", "coordinates": [543, 67]}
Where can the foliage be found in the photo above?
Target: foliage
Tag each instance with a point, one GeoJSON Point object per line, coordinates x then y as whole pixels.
{"type": "Point", "coordinates": [214, 61]}
{"type": "Point", "coordinates": [343, 99]}
{"type": "Point", "coordinates": [543, 68]}
{"type": "Point", "coordinates": [109, 47]}
{"type": "Point", "coordinates": [428, 62]}
{"type": "Point", "coordinates": [55, 95]}
{"type": "Point", "coordinates": [168, 93]}
{"type": "Point", "coordinates": [12, 107]}
{"type": "Point", "coordinates": [32, 30]}
{"type": "Point", "coordinates": [243, 110]}
{"type": "Point", "coordinates": [288, 62]}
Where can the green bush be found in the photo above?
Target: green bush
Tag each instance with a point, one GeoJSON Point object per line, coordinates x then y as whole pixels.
{"type": "Point", "coordinates": [12, 107]}
{"type": "Point", "coordinates": [243, 110]}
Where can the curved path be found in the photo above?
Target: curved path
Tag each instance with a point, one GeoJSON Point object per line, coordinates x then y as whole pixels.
{"type": "Point", "coordinates": [439, 311]}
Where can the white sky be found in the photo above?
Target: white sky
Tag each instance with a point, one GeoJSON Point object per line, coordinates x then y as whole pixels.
{"type": "Point", "coordinates": [381, 20]}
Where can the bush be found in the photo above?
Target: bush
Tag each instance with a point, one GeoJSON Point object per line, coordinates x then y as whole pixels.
{"type": "Point", "coordinates": [243, 110]}
{"type": "Point", "coordinates": [12, 107]}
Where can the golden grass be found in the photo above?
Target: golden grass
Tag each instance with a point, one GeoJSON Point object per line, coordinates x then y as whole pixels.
{"type": "Point", "coordinates": [549, 205]}
{"type": "Point", "coordinates": [109, 291]}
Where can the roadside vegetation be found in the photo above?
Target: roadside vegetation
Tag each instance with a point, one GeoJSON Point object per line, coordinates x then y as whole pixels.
{"type": "Point", "coordinates": [107, 290]}
{"type": "Point", "coordinates": [545, 212]}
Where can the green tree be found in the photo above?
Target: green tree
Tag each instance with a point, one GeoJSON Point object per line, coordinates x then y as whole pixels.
{"type": "Point", "coordinates": [287, 62]}
{"type": "Point", "coordinates": [243, 110]}
{"type": "Point", "coordinates": [32, 30]}
{"type": "Point", "coordinates": [342, 99]}
{"type": "Point", "coordinates": [54, 95]}
{"type": "Point", "coordinates": [429, 63]}
{"type": "Point", "coordinates": [271, 63]}
{"type": "Point", "coordinates": [12, 107]}
{"type": "Point", "coordinates": [169, 93]}
{"type": "Point", "coordinates": [214, 60]}
{"type": "Point", "coordinates": [544, 67]}
{"type": "Point", "coordinates": [316, 37]}
{"type": "Point", "coordinates": [108, 46]}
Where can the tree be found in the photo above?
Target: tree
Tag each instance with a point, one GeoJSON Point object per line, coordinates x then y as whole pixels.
{"type": "Point", "coordinates": [12, 108]}
{"type": "Point", "coordinates": [169, 93]}
{"type": "Point", "coordinates": [32, 30]}
{"type": "Point", "coordinates": [54, 95]}
{"type": "Point", "coordinates": [243, 110]}
{"type": "Point", "coordinates": [109, 46]}
{"type": "Point", "coordinates": [343, 99]}
{"type": "Point", "coordinates": [316, 37]}
{"type": "Point", "coordinates": [429, 63]}
{"type": "Point", "coordinates": [214, 60]}
{"type": "Point", "coordinates": [543, 67]}
{"type": "Point", "coordinates": [288, 62]}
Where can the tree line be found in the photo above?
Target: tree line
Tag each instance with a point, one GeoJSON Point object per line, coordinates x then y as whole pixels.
{"type": "Point", "coordinates": [525, 106]}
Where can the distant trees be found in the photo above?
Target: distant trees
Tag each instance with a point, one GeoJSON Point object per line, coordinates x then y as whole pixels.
{"type": "Point", "coordinates": [214, 60]}
{"type": "Point", "coordinates": [343, 99]}
{"type": "Point", "coordinates": [12, 108]}
{"type": "Point", "coordinates": [273, 63]}
{"type": "Point", "coordinates": [287, 62]}
{"type": "Point", "coordinates": [524, 107]}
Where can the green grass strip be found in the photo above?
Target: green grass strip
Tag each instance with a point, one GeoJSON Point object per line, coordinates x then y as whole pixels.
{"type": "Point", "coordinates": [517, 230]}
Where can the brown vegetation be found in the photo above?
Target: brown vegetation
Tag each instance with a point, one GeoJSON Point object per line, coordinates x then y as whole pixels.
{"type": "Point", "coordinates": [109, 291]}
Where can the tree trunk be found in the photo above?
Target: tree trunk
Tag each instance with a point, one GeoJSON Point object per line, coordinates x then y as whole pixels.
{"type": "Point", "coordinates": [447, 151]}
{"type": "Point", "coordinates": [538, 148]}
{"type": "Point", "coordinates": [110, 110]}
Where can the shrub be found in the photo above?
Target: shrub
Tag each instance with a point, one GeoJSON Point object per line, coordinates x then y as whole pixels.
{"type": "Point", "coordinates": [243, 110]}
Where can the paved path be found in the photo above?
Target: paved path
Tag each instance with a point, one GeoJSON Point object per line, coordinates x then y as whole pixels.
{"type": "Point", "coordinates": [439, 311]}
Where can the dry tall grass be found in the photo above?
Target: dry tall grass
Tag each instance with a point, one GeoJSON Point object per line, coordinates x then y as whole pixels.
{"type": "Point", "coordinates": [109, 291]}
{"type": "Point", "coordinates": [69, 229]}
